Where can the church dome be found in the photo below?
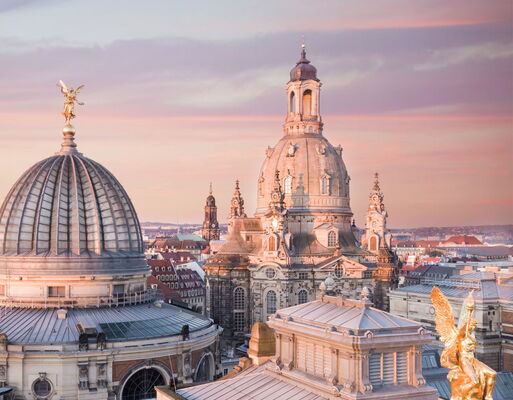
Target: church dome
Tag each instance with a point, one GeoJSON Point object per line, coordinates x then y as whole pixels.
{"type": "Point", "coordinates": [303, 69]}
{"type": "Point", "coordinates": [68, 206]}
{"type": "Point", "coordinates": [312, 174]}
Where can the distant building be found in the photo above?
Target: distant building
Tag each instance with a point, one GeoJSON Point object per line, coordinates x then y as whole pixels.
{"type": "Point", "coordinates": [194, 244]}
{"type": "Point", "coordinates": [330, 348]}
{"type": "Point", "coordinates": [462, 240]}
{"type": "Point", "coordinates": [429, 272]}
{"type": "Point", "coordinates": [210, 229]}
{"type": "Point", "coordinates": [186, 284]}
{"type": "Point", "coordinates": [493, 293]}
{"type": "Point", "coordinates": [413, 249]}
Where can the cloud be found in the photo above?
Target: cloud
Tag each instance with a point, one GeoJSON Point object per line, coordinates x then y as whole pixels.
{"type": "Point", "coordinates": [452, 56]}
{"type": "Point", "coordinates": [10, 5]}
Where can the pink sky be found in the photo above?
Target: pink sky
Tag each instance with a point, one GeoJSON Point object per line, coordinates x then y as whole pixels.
{"type": "Point", "coordinates": [424, 96]}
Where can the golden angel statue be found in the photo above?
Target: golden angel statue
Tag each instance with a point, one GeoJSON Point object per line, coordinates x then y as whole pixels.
{"type": "Point", "coordinates": [71, 98]}
{"type": "Point", "coordinates": [470, 378]}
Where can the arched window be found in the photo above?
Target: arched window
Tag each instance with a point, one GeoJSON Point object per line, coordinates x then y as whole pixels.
{"type": "Point", "coordinates": [339, 271]}
{"type": "Point", "coordinates": [307, 103]}
{"type": "Point", "coordinates": [204, 371]}
{"type": "Point", "coordinates": [373, 243]}
{"type": "Point", "coordinates": [272, 243]}
{"type": "Point", "coordinates": [141, 385]}
{"type": "Point", "coordinates": [239, 299]}
{"type": "Point", "coordinates": [270, 301]}
{"type": "Point", "coordinates": [332, 239]}
{"type": "Point", "coordinates": [302, 296]}
{"type": "Point", "coordinates": [287, 184]}
{"type": "Point", "coordinates": [292, 105]}
{"type": "Point", "coordinates": [325, 185]}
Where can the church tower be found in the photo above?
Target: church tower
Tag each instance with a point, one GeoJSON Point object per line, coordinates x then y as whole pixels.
{"type": "Point", "coordinates": [376, 235]}
{"type": "Point", "coordinates": [303, 93]}
{"type": "Point", "coordinates": [210, 224]}
{"type": "Point", "coordinates": [237, 204]}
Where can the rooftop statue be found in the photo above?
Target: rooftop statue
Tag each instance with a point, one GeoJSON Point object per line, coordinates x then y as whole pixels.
{"type": "Point", "coordinates": [470, 378]}
{"type": "Point", "coordinates": [71, 98]}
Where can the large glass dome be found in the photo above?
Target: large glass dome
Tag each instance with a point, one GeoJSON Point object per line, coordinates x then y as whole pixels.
{"type": "Point", "coordinates": [69, 209]}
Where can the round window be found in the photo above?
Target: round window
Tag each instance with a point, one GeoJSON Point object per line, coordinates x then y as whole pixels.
{"type": "Point", "coordinates": [42, 388]}
{"type": "Point", "coordinates": [270, 273]}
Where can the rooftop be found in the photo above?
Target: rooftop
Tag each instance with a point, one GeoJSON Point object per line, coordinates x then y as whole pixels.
{"type": "Point", "coordinates": [26, 326]}
{"type": "Point", "coordinates": [345, 314]}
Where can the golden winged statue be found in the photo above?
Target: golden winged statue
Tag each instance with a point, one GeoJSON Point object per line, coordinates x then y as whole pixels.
{"type": "Point", "coordinates": [470, 379]}
{"type": "Point", "coordinates": [71, 98]}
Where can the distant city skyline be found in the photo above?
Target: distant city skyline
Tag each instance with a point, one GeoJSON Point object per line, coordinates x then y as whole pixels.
{"type": "Point", "coordinates": [179, 94]}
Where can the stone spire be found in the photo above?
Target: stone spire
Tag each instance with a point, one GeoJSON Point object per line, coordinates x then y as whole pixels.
{"type": "Point", "coordinates": [376, 196]}
{"type": "Point", "coordinates": [237, 205]}
{"type": "Point", "coordinates": [210, 229]}
{"type": "Point", "coordinates": [376, 238]}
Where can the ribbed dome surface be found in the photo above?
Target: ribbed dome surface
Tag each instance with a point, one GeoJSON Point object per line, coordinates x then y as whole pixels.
{"type": "Point", "coordinates": [306, 160]}
{"type": "Point", "coordinates": [68, 205]}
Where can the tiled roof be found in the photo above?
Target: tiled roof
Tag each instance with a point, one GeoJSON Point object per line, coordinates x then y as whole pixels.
{"type": "Point", "coordinates": [158, 263]}
{"type": "Point", "coordinates": [165, 290]}
{"type": "Point", "coordinates": [462, 239]}
{"type": "Point", "coordinates": [178, 256]}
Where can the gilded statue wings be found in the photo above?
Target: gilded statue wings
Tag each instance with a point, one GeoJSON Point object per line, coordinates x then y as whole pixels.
{"type": "Point", "coordinates": [444, 317]}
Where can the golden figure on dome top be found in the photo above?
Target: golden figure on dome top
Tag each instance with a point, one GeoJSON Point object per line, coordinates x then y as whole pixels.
{"type": "Point", "coordinates": [71, 98]}
{"type": "Point", "coordinates": [470, 378]}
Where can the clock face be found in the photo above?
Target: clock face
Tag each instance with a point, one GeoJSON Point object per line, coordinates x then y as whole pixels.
{"type": "Point", "coordinates": [374, 224]}
{"type": "Point", "coordinates": [214, 225]}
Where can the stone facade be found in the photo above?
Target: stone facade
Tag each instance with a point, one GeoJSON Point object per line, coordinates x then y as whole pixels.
{"type": "Point", "coordinates": [301, 232]}
{"type": "Point", "coordinates": [493, 311]}
{"type": "Point", "coordinates": [77, 319]}
{"type": "Point", "coordinates": [330, 348]}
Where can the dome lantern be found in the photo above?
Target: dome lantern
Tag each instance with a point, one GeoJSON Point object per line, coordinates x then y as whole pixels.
{"type": "Point", "coordinates": [303, 98]}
